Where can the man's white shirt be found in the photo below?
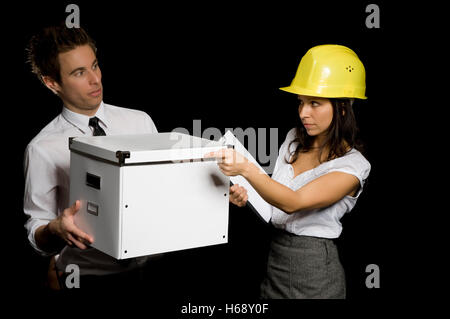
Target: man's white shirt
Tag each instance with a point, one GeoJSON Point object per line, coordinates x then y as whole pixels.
{"type": "Point", "coordinates": [46, 166]}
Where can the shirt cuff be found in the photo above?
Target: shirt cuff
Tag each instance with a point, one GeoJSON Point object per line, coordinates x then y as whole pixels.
{"type": "Point", "coordinates": [32, 230]}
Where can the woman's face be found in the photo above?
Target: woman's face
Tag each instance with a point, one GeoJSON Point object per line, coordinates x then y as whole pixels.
{"type": "Point", "coordinates": [316, 114]}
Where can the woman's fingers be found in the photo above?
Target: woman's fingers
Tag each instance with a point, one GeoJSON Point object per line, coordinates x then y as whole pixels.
{"type": "Point", "coordinates": [218, 154]}
{"type": "Point", "coordinates": [228, 155]}
{"type": "Point", "coordinates": [238, 195]}
{"type": "Point", "coordinates": [230, 162]}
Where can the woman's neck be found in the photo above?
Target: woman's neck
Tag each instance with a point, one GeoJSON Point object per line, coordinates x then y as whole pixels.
{"type": "Point", "coordinates": [318, 142]}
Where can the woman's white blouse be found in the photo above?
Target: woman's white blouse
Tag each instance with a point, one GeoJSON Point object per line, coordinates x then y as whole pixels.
{"type": "Point", "coordinates": [322, 222]}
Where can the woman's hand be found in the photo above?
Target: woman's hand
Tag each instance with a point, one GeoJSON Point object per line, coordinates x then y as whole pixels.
{"type": "Point", "coordinates": [238, 195]}
{"type": "Point", "coordinates": [230, 162]}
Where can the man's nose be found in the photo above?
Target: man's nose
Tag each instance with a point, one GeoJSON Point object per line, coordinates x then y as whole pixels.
{"type": "Point", "coordinates": [94, 77]}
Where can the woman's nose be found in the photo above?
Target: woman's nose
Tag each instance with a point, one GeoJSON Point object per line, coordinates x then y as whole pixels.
{"type": "Point", "coordinates": [304, 111]}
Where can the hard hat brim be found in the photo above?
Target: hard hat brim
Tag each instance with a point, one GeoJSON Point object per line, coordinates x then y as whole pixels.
{"type": "Point", "coordinates": [303, 91]}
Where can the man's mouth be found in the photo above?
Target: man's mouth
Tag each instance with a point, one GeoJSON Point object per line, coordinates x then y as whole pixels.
{"type": "Point", "coordinates": [95, 93]}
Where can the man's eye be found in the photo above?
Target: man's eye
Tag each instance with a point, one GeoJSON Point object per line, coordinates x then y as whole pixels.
{"type": "Point", "coordinates": [79, 73]}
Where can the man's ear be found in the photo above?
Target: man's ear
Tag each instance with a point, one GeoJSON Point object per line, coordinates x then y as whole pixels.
{"type": "Point", "coordinates": [51, 84]}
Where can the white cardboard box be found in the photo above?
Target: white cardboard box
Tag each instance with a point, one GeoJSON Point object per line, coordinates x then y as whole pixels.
{"type": "Point", "coordinates": [148, 194]}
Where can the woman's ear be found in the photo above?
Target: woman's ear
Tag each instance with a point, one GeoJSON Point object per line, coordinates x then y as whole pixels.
{"type": "Point", "coordinates": [343, 108]}
{"type": "Point", "coordinates": [51, 84]}
{"type": "Point", "coordinates": [343, 105]}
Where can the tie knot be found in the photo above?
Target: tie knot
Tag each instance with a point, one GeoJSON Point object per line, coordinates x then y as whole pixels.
{"type": "Point", "coordinates": [93, 122]}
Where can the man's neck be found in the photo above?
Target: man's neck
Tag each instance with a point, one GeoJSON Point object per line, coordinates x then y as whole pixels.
{"type": "Point", "coordinates": [85, 111]}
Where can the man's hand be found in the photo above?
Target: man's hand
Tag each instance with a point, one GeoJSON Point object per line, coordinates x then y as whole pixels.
{"type": "Point", "coordinates": [238, 195]}
{"type": "Point", "coordinates": [64, 227]}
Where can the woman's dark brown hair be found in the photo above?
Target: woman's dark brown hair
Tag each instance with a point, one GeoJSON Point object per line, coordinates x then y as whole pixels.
{"type": "Point", "coordinates": [44, 47]}
{"type": "Point", "coordinates": [340, 137]}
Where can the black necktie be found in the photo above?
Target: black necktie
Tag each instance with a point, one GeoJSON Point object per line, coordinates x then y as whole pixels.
{"type": "Point", "coordinates": [98, 131]}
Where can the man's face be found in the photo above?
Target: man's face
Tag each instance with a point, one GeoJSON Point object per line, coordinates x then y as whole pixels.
{"type": "Point", "coordinates": [81, 80]}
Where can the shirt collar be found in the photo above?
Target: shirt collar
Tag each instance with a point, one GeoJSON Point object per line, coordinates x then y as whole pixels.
{"type": "Point", "coordinates": [81, 121]}
{"type": "Point", "coordinates": [101, 115]}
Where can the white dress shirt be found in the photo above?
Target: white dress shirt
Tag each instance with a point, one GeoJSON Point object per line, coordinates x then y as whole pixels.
{"type": "Point", "coordinates": [323, 222]}
{"type": "Point", "coordinates": [46, 165]}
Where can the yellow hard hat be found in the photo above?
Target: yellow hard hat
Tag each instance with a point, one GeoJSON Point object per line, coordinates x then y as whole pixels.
{"type": "Point", "coordinates": [331, 71]}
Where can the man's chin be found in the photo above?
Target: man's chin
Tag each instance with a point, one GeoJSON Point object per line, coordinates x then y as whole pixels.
{"type": "Point", "coordinates": [94, 103]}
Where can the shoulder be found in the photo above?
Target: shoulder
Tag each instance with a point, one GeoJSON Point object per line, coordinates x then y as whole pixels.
{"type": "Point", "coordinates": [285, 150]}
{"type": "Point", "coordinates": [129, 121]}
{"type": "Point", "coordinates": [52, 133]}
{"type": "Point", "coordinates": [357, 158]}
{"type": "Point", "coordinates": [122, 111]}
{"type": "Point", "coordinates": [352, 162]}
{"type": "Point", "coordinates": [290, 136]}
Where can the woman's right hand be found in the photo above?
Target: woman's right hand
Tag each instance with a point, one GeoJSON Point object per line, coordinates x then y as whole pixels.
{"type": "Point", "coordinates": [238, 195]}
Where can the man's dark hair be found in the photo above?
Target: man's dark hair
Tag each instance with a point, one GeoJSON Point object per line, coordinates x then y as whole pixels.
{"type": "Point", "coordinates": [44, 47]}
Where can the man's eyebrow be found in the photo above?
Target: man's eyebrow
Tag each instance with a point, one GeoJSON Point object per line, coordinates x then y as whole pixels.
{"type": "Point", "coordinates": [82, 68]}
{"type": "Point", "coordinates": [77, 69]}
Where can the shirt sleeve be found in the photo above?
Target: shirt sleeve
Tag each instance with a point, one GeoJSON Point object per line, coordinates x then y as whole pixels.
{"type": "Point", "coordinates": [354, 164]}
{"type": "Point", "coordinates": [40, 195]}
{"type": "Point", "coordinates": [150, 124]}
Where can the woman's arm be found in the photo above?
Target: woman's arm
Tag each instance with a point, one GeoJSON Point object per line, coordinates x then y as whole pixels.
{"type": "Point", "coordinates": [321, 192]}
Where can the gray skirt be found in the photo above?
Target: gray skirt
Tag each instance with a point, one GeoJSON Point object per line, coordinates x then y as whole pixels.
{"type": "Point", "coordinates": [302, 267]}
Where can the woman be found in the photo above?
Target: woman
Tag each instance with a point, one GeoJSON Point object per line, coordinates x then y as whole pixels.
{"type": "Point", "coordinates": [318, 177]}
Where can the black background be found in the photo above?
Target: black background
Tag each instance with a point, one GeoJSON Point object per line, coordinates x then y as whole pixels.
{"type": "Point", "coordinates": [223, 63]}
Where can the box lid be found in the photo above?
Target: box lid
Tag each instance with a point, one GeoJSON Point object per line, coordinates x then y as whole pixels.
{"type": "Point", "coordinates": [142, 148]}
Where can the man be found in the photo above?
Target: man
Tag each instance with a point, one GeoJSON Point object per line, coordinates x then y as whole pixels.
{"type": "Point", "coordinates": [65, 61]}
